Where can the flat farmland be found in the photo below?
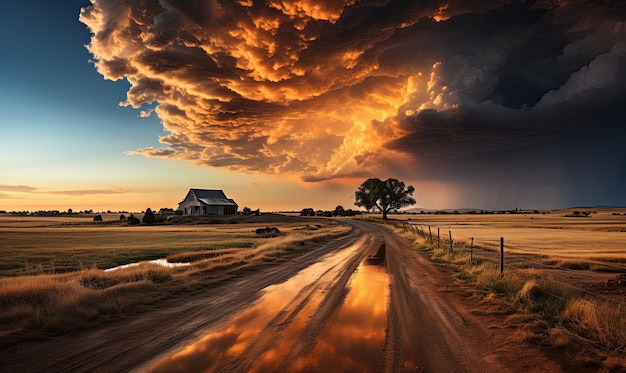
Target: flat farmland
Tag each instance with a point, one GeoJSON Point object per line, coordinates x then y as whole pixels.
{"type": "Point", "coordinates": [53, 276]}
{"type": "Point", "coordinates": [33, 245]}
{"type": "Point", "coordinates": [599, 236]}
{"type": "Point", "coordinates": [574, 250]}
{"type": "Point", "coordinates": [61, 249]}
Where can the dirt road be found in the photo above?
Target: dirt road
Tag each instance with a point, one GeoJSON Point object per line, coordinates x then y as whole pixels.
{"type": "Point", "coordinates": [326, 310]}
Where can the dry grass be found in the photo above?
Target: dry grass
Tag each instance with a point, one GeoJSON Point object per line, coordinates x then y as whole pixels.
{"type": "Point", "coordinates": [57, 303]}
{"type": "Point", "coordinates": [599, 237]}
{"type": "Point", "coordinates": [547, 311]}
{"type": "Point", "coordinates": [37, 299]}
{"type": "Point", "coordinates": [602, 323]}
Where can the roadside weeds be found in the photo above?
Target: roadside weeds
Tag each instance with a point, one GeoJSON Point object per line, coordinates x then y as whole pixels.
{"type": "Point", "coordinates": [590, 330]}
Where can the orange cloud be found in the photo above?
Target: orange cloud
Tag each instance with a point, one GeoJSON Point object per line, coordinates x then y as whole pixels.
{"type": "Point", "coordinates": [326, 89]}
{"type": "Point", "coordinates": [17, 188]}
{"type": "Point", "coordinates": [85, 192]}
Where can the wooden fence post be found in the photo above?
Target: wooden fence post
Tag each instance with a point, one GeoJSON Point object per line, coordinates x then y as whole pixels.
{"type": "Point", "coordinates": [438, 238]}
{"type": "Point", "coordinates": [471, 249]}
{"type": "Point", "coordinates": [431, 235]}
{"type": "Point", "coordinates": [501, 256]}
{"type": "Point", "coordinates": [451, 249]}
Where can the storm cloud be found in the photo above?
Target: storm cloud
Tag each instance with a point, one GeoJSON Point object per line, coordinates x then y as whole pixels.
{"type": "Point", "coordinates": [331, 89]}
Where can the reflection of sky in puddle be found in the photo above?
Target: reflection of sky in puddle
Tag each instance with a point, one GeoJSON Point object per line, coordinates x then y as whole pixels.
{"type": "Point", "coordinates": [353, 342]}
{"type": "Point", "coordinates": [161, 262]}
{"type": "Point", "coordinates": [265, 334]}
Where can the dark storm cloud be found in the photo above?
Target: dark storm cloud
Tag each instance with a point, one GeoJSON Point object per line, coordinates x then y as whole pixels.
{"type": "Point", "coordinates": [338, 89]}
{"type": "Point", "coordinates": [514, 79]}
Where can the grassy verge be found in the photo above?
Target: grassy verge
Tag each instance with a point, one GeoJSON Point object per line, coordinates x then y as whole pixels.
{"type": "Point", "coordinates": [36, 305]}
{"type": "Point", "coordinates": [589, 328]}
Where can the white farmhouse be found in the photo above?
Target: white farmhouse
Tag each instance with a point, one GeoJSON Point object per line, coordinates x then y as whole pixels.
{"type": "Point", "coordinates": [207, 202]}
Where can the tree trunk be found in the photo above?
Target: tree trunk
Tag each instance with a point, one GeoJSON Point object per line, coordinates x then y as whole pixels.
{"type": "Point", "coordinates": [384, 214]}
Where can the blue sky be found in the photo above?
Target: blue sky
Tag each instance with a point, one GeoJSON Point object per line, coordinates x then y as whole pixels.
{"type": "Point", "coordinates": [65, 134]}
{"type": "Point", "coordinates": [490, 106]}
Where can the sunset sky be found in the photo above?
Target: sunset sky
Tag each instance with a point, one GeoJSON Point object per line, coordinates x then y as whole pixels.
{"type": "Point", "coordinates": [286, 104]}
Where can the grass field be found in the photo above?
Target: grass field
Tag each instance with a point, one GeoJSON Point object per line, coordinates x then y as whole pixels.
{"type": "Point", "coordinates": [601, 235]}
{"type": "Point", "coordinates": [52, 276]}
{"type": "Point", "coordinates": [62, 249]}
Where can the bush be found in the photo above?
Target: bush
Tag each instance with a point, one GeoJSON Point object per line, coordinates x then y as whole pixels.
{"type": "Point", "coordinates": [132, 220]}
{"type": "Point", "coordinates": [268, 232]}
{"type": "Point", "coordinates": [97, 218]}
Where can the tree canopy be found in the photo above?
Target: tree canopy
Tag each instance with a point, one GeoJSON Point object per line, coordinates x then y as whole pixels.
{"type": "Point", "coordinates": [384, 195]}
{"type": "Point", "coordinates": [149, 217]}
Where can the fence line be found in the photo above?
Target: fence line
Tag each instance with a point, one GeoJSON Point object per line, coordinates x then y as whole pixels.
{"type": "Point", "coordinates": [419, 231]}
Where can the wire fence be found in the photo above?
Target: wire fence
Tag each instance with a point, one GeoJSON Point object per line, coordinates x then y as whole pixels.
{"type": "Point", "coordinates": [530, 260]}
{"type": "Point", "coordinates": [519, 263]}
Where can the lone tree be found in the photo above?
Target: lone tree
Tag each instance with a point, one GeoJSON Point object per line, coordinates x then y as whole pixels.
{"type": "Point", "coordinates": [384, 195]}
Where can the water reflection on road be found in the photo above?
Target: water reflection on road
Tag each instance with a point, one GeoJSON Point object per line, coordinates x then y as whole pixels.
{"type": "Point", "coordinates": [353, 341]}
{"type": "Point", "coordinates": [291, 327]}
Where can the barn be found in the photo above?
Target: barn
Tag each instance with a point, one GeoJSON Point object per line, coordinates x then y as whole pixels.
{"type": "Point", "coordinates": [200, 202]}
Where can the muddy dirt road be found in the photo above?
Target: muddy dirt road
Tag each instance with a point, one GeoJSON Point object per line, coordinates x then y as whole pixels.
{"type": "Point", "coordinates": [324, 311]}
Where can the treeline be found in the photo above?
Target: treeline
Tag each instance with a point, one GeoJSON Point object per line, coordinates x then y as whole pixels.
{"type": "Point", "coordinates": [338, 211]}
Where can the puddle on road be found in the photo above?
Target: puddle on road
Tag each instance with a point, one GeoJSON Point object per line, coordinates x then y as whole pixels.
{"type": "Point", "coordinates": [268, 332]}
{"type": "Point", "coordinates": [354, 341]}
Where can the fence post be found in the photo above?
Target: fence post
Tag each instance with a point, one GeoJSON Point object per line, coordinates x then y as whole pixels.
{"type": "Point", "coordinates": [501, 256]}
{"type": "Point", "coordinates": [431, 235]}
{"type": "Point", "coordinates": [472, 249]}
{"type": "Point", "coordinates": [438, 238]}
{"type": "Point", "coordinates": [450, 233]}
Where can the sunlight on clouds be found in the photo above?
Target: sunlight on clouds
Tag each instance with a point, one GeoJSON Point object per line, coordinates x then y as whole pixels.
{"type": "Point", "coordinates": [323, 90]}
{"type": "Point", "coordinates": [317, 10]}
{"type": "Point", "coordinates": [440, 15]}
{"type": "Point", "coordinates": [250, 94]}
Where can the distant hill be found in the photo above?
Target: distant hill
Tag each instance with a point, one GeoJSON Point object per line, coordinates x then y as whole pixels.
{"type": "Point", "coordinates": [449, 211]}
{"type": "Point", "coordinates": [465, 210]}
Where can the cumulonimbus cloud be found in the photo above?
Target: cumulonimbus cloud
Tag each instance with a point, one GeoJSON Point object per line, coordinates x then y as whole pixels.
{"type": "Point", "coordinates": [328, 89]}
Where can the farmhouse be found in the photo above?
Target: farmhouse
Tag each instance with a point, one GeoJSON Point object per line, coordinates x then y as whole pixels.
{"type": "Point", "coordinates": [207, 202]}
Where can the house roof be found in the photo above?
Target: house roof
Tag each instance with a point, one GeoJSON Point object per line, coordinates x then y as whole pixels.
{"type": "Point", "coordinates": [208, 193]}
{"type": "Point", "coordinates": [215, 197]}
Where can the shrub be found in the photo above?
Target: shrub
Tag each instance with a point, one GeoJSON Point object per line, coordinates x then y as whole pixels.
{"type": "Point", "coordinates": [132, 220]}
{"type": "Point", "coordinates": [268, 232]}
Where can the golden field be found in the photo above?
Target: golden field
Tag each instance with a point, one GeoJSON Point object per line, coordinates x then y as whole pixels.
{"type": "Point", "coordinates": [600, 235]}
{"type": "Point", "coordinates": [53, 278]}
